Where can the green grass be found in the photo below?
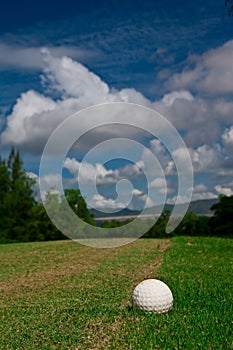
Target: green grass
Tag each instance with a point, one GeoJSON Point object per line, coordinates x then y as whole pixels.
{"type": "Point", "coordinates": [61, 295]}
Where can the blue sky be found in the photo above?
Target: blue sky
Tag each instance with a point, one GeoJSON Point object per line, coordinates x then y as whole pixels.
{"type": "Point", "coordinates": [172, 56]}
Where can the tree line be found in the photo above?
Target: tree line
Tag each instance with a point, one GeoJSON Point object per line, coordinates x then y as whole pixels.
{"type": "Point", "coordinates": [23, 218]}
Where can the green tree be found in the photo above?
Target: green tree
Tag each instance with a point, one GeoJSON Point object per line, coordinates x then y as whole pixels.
{"type": "Point", "coordinates": [56, 208]}
{"type": "Point", "coordinates": [4, 189]}
{"type": "Point", "coordinates": [203, 227]}
{"type": "Point", "coordinates": [17, 199]}
{"type": "Point", "coordinates": [42, 227]}
{"type": "Point", "coordinates": [79, 206]}
{"type": "Point", "coordinates": [189, 225]}
{"type": "Point", "coordinates": [222, 223]}
{"type": "Point", "coordinates": [158, 230]}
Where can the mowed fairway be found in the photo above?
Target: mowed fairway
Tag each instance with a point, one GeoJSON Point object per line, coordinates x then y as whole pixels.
{"type": "Point", "coordinates": [62, 295]}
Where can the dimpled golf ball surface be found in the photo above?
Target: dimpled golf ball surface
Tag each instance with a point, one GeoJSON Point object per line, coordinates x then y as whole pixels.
{"type": "Point", "coordinates": [153, 295]}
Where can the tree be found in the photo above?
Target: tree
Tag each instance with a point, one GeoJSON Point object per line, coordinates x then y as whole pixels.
{"type": "Point", "coordinates": [56, 207]}
{"type": "Point", "coordinates": [22, 218]}
{"type": "Point", "coordinates": [158, 230]}
{"type": "Point", "coordinates": [78, 205]}
{"type": "Point", "coordinates": [4, 189]}
{"type": "Point", "coordinates": [193, 225]}
{"type": "Point", "coordinates": [221, 223]}
{"type": "Point", "coordinates": [42, 227]}
{"type": "Point", "coordinates": [203, 227]}
{"type": "Point", "coordinates": [188, 226]}
{"type": "Point", "coordinates": [16, 199]}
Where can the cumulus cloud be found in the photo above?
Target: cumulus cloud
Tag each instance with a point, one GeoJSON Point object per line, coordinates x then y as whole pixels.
{"type": "Point", "coordinates": [169, 99]}
{"type": "Point", "coordinates": [139, 200]}
{"type": "Point", "coordinates": [32, 176]}
{"type": "Point", "coordinates": [148, 202]}
{"type": "Point", "coordinates": [27, 121]}
{"type": "Point", "coordinates": [159, 182]}
{"type": "Point", "coordinates": [212, 72]}
{"type": "Point", "coordinates": [224, 190]}
{"type": "Point", "coordinates": [100, 202]}
{"type": "Point", "coordinates": [49, 183]}
{"type": "Point", "coordinates": [79, 88]}
{"type": "Point", "coordinates": [73, 79]}
{"type": "Point", "coordinates": [194, 115]}
{"type": "Point", "coordinates": [89, 175]}
{"type": "Point", "coordinates": [201, 191]}
{"type": "Point", "coordinates": [35, 116]}
{"type": "Point", "coordinates": [86, 173]}
{"type": "Point", "coordinates": [197, 104]}
{"type": "Point", "coordinates": [137, 192]}
{"type": "Point", "coordinates": [165, 164]}
{"type": "Point", "coordinates": [207, 159]}
{"type": "Point", "coordinates": [227, 138]}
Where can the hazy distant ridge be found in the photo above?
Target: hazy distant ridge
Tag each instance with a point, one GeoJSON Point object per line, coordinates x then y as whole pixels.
{"type": "Point", "coordinates": [200, 207]}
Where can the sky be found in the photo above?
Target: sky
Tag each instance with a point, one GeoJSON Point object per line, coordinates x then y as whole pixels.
{"type": "Point", "coordinates": [173, 57]}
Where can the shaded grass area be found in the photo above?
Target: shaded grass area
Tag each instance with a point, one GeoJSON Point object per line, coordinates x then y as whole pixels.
{"type": "Point", "coordinates": [61, 295]}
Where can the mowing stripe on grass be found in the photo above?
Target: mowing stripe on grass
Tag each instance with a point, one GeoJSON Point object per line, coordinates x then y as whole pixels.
{"type": "Point", "coordinates": [72, 296]}
{"type": "Point", "coordinates": [84, 302]}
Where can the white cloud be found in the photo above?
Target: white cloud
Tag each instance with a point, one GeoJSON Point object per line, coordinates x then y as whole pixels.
{"type": "Point", "coordinates": [178, 199]}
{"type": "Point", "coordinates": [48, 183]}
{"type": "Point", "coordinates": [30, 58]}
{"type": "Point", "coordinates": [100, 202]}
{"type": "Point", "coordinates": [157, 151]}
{"type": "Point", "coordinates": [224, 190]}
{"type": "Point", "coordinates": [73, 79]}
{"type": "Point", "coordinates": [206, 159]}
{"type": "Point", "coordinates": [148, 201]}
{"type": "Point", "coordinates": [137, 192]}
{"type": "Point", "coordinates": [28, 119]}
{"type": "Point", "coordinates": [86, 173]}
{"type": "Point", "coordinates": [182, 160]}
{"type": "Point", "coordinates": [200, 191]}
{"type": "Point", "coordinates": [32, 176]}
{"type": "Point", "coordinates": [81, 88]}
{"type": "Point", "coordinates": [227, 137]}
{"type": "Point", "coordinates": [158, 183]}
{"type": "Point", "coordinates": [199, 117]}
{"type": "Point", "coordinates": [212, 72]}
{"type": "Point", "coordinates": [35, 116]}
{"type": "Point", "coordinates": [89, 175]}
{"type": "Point", "coordinates": [132, 96]}
{"type": "Point", "coordinates": [170, 98]}
{"type": "Point", "coordinates": [194, 115]}
{"type": "Point", "coordinates": [142, 197]}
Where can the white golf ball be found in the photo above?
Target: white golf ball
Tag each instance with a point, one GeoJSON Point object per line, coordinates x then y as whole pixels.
{"type": "Point", "coordinates": [153, 295]}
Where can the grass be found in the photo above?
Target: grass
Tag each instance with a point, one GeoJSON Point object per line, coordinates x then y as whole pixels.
{"type": "Point", "coordinates": [61, 295]}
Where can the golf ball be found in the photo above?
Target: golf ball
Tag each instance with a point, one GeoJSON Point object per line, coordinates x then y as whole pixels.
{"type": "Point", "coordinates": [153, 295]}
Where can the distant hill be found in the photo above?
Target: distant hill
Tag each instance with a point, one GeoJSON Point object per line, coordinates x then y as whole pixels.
{"type": "Point", "coordinates": [123, 212]}
{"type": "Point", "coordinates": [200, 207]}
{"type": "Point", "coordinates": [203, 206]}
